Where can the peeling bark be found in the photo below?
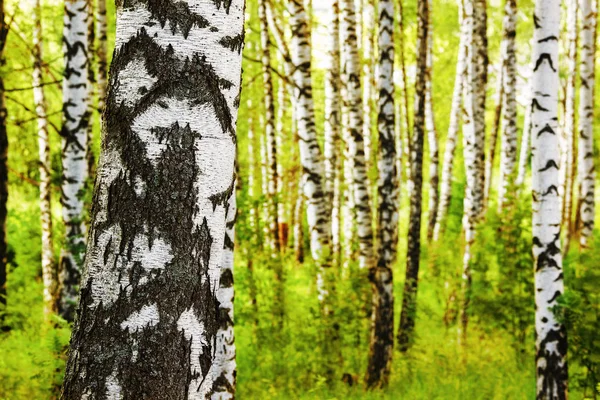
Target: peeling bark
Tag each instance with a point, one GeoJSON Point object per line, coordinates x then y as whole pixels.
{"type": "Point", "coordinates": [157, 290]}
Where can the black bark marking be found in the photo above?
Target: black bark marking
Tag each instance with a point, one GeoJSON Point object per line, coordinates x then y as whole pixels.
{"type": "Point", "coordinates": [540, 60]}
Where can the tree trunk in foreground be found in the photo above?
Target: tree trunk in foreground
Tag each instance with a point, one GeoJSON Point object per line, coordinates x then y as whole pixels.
{"type": "Point", "coordinates": [551, 335]}
{"type": "Point", "coordinates": [49, 275]}
{"type": "Point", "coordinates": [587, 169]}
{"type": "Point", "coordinates": [156, 294]}
{"type": "Point", "coordinates": [413, 256]}
{"type": "Point", "coordinates": [74, 158]}
{"type": "Point", "coordinates": [381, 276]}
{"type": "Point", "coordinates": [453, 128]}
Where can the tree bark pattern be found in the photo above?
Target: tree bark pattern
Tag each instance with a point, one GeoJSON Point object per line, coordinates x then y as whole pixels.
{"type": "Point", "coordinates": [155, 295]}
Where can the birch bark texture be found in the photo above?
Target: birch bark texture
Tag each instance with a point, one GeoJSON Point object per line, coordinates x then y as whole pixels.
{"type": "Point", "coordinates": [413, 254]}
{"type": "Point", "coordinates": [508, 149]}
{"type": "Point", "coordinates": [551, 337]}
{"type": "Point", "coordinates": [49, 272]}
{"type": "Point", "coordinates": [156, 290]}
{"type": "Point", "coordinates": [473, 139]}
{"type": "Point", "coordinates": [311, 158]}
{"type": "Point", "coordinates": [353, 133]}
{"type": "Point", "coordinates": [586, 166]}
{"type": "Point", "coordinates": [272, 175]}
{"type": "Point", "coordinates": [456, 112]}
{"type": "Point", "coordinates": [74, 152]}
{"type": "Point", "coordinates": [381, 275]}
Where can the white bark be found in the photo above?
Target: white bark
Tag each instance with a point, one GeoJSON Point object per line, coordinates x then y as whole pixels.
{"type": "Point", "coordinates": [454, 126]}
{"type": "Point", "coordinates": [74, 161]}
{"type": "Point", "coordinates": [353, 133]}
{"type": "Point", "coordinates": [551, 344]}
{"type": "Point", "coordinates": [49, 274]}
{"type": "Point", "coordinates": [586, 166]}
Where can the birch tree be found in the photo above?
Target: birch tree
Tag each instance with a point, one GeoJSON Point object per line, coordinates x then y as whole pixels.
{"type": "Point", "coordinates": [353, 134]}
{"type": "Point", "coordinates": [432, 135]}
{"type": "Point", "coordinates": [568, 162]}
{"type": "Point", "coordinates": [156, 288]}
{"type": "Point", "coordinates": [367, 46]}
{"type": "Point", "coordinates": [473, 138]}
{"type": "Point", "coordinates": [586, 165]}
{"type": "Point", "coordinates": [272, 175]}
{"type": "Point", "coordinates": [381, 275]}
{"type": "Point", "coordinates": [101, 53]}
{"type": "Point", "coordinates": [49, 274]}
{"type": "Point", "coordinates": [508, 150]}
{"type": "Point", "coordinates": [413, 254]}
{"type": "Point", "coordinates": [453, 127]}
{"type": "Point", "coordinates": [74, 156]}
{"type": "Point", "coordinates": [551, 339]}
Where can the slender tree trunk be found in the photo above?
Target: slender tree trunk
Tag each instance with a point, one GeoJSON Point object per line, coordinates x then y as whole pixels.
{"type": "Point", "coordinates": [493, 139]}
{"type": "Point", "coordinates": [367, 18]}
{"type": "Point", "coordinates": [473, 140]}
{"type": "Point", "coordinates": [153, 294]}
{"type": "Point", "coordinates": [381, 276]}
{"type": "Point", "coordinates": [508, 150]}
{"type": "Point", "coordinates": [587, 168]}
{"type": "Point", "coordinates": [524, 150]}
{"type": "Point", "coordinates": [551, 336]}
{"type": "Point", "coordinates": [332, 100]}
{"type": "Point", "coordinates": [453, 128]}
{"type": "Point", "coordinates": [3, 161]}
{"type": "Point", "coordinates": [271, 139]}
{"type": "Point", "coordinates": [405, 98]}
{"type": "Point", "coordinates": [413, 255]}
{"type": "Point", "coordinates": [49, 272]}
{"type": "Point", "coordinates": [101, 53]}
{"type": "Point", "coordinates": [74, 161]}
{"type": "Point", "coordinates": [91, 53]}
{"type": "Point", "coordinates": [569, 155]}
{"type": "Point", "coordinates": [353, 134]}
{"type": "Point", "coordinates": [432, 136]}
{"type": "Point", "coordinates": [298, 227]}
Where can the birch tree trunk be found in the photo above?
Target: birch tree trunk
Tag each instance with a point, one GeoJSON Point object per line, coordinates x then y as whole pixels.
{"type": "Point", "coordinates": [524, 150]}
{"type": "Point", "coordinates": [473, 140]}
{"type": "Point", "coordinates": [405, 98]}
{"type": "Point", "coordinates": [367, 18]}
{"type": "Point", "coordinates": [75, 144]}
{"type": "Point", "coordinates": [432, 136]}
{"type": "Point", "coordinates": [413, 256]}
{"type": "Point", "coordinates": [587, 168]}
{"type": "Point", "coordinates": [493, 139]}
{"type": "Point", "coordinates": [49, 272]}
{"type": "Point", "coordinates": [4, 28]}
{"type": "Point", "coordinates": [551, 338]}
{"type": "Point", "coordinates": [101, 53]}
{"type": "Point", "coordinates": [154, 288]}
{"type": "Point", "coordinates": [454, 126]}
{"type": "Point", "coordinates": [381, 275]}
{"type": "Point", "coordinates": [311, 158]}
{"type": "Point", "coordinates": [271, 139]}
{"type": "Point", "coordinates": [332, 100]}
{"type": "Point", "coordinates": [569, 156]}
{"type": "Point", "coordinates": [508, 150]}
{"type": "Point", "coordinates": [353, 133]}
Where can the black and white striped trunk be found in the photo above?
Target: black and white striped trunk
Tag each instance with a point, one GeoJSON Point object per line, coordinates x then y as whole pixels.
{"type": "Point", "coordinates": [381, 275]}
{"type": "Point", "coordinates": [74, 157]}
{"type": "Point", "coordinates": [353, 133]}
{"type": "Point", "coordinates": [551, 338]}
{"type": "Point", "coordinates": [508, 149]}
{"type": "Point", "coordinates": [157, 289]}
{"type": "Point", "coordinates": [586, 166]}
{"type": "Point", "coordinates": [49, 273]}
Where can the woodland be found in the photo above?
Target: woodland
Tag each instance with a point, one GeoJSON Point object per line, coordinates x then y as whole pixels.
{"type": "Point", "coordinates": [299, 199]}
